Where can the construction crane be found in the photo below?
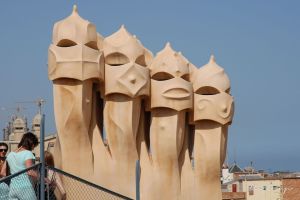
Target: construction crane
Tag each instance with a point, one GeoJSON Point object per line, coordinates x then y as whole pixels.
{"type": "Point", "coordinates": [39, 102]}
{"type": "Point", "coordinates": [17, 110]}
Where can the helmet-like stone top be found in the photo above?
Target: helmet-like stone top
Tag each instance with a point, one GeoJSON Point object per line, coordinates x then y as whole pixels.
{"type": "Point", "coordinates": [170, 62]}
{"type": "Point", "coordinates": [123, 42]}
{"type": "Point", "coordinates": [212, 75]}
{"type": "Point", "coordinates": [74, 29]}
{"type": "Point", "coordinates": [120, 38]}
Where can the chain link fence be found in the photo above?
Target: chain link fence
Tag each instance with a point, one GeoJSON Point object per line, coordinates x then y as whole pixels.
{"type": "Point", "coordinates": [59, 186]}
{"type": "Point", "coordinates": [77, 188]}
{"type": "Point", "coordinates": [19, 185]}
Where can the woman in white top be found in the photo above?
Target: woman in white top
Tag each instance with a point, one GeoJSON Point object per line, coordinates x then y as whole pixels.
{"type": "Point", "coordinates": [21, 186]}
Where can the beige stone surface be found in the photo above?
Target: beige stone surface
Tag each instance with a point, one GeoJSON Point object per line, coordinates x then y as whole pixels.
{"type": "Point", "coordinates": [74, 64]}
{"type": "Point", "coordinates": [213, 111]}
{"type": "Point", "coordinates": [171, 96]}
{"type": "Point", "coordinates": [126, 85]}
{"type": "Point", "coordinates": [114, 104]}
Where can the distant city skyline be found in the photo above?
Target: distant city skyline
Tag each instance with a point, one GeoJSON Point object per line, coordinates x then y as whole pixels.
{"type": "Point", "coordinates": [257, 43]}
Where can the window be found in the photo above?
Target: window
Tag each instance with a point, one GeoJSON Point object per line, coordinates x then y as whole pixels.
{"type": "Point", "coordinates": [251, 190]}
{"type": "Point", "coordinates": [275, 187]}
{"type": "Point", "coordinates": [264, 187]}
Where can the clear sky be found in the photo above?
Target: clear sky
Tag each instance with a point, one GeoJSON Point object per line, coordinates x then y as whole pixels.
{"type": "Point", "coordinates": [256, 42]}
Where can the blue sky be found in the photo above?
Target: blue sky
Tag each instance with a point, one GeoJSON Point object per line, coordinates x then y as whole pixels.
{"type": "Point", "coordinates": [256, 42]}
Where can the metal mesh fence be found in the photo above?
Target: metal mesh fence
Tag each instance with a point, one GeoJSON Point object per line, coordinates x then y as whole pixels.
{"type": "Point", "coordinates": [59, 186]}
{"type": "Point", "coordinates": [77, 188]}
{"type": "Point", "coordinates": [19, 185]}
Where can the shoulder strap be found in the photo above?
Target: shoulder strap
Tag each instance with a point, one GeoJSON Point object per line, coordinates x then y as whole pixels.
{"type": "Point", "coordinates": [7, 169]}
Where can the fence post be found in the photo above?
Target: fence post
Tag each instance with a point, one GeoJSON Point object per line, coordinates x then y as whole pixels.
{"type": "Point", "coordinates": [42, 158]}
{"type": "Point", "coordinates": [137, 179]}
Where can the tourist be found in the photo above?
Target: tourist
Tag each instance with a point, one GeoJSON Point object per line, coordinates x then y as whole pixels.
{"type": "Point", "coordinates": [54, 179]}
{"type": "Point", "coordinates": [21, 186]}
{"type": "Point", "coordinates": [3, 151]}
{"type": "Point", "coordinates": [4, 189]}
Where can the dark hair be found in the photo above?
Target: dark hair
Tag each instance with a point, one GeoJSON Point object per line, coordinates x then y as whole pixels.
{"type": "Point", "coordinates": [4, 144]}
{"type": "Point", "coordinates": [28, 140]}
{"type": "Point", "coordinates": [49, 159]}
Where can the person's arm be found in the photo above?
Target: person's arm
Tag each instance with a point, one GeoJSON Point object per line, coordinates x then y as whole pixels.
{"type": "Point", "coordinates": [3, 170]}
{"type": "Point", "coordinates": [32, 173]}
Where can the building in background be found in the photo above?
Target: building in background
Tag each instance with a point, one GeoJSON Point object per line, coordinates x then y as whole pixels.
{"type": "Point", "coordinates": [15, 129]}
{"type": "Point", "coordinates": [19, 127]}
{"type": "Point", "coordinates": [291, 188]}
{"type": "Point", "coordinates": [36, 125]}
{"type": "Point", "coordinates": [229, 172]}
{"type": "Point", "coordinates": [250, 184]}
{"type": "Point", "coordinates": [257, 188]}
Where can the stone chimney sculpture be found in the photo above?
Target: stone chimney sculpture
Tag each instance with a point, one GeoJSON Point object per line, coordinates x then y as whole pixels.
{"type": "Point", "coordinates": [171, 97]}
{"type": "Point", "coordinates": [126, 84]}
{"type": "Point", "coordinates": [74, 65]}
{"type": "Point", "coordinates": [115, 104]}
{"type": "Point", "coordinates": [213, 112]}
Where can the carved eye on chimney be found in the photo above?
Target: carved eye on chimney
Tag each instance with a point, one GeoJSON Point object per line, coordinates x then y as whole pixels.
{"type": "Point", "coordinates": [227, 91]}
{"type": "Point", "coordinates": [207, 90]}
{"type": "Point", "coordinates": [92, 44]}
{"type": "Point", "coordinates": [162, 76]}
{"type": "Point", "coordinates": [116, 59]}
{"type": "Point", "coordinates": [66, 43]}
{"type": "Point", "coordinates": [186, 77]}
{"type": "Point", "coordinates": [141, 60]}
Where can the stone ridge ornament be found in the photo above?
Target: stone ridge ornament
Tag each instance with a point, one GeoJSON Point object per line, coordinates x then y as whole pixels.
{"type": "Point", "coordinates": [115, 103]}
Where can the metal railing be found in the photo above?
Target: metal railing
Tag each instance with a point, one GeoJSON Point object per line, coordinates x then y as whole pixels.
{"type": "Point", "coordinates": [78, 188]}
{"type": "Point", "coordinates": [19, 185]}
{"type": "Point", "coordinates": [55, 184]}
{"type": "Point", "coordinates": [22, 186]}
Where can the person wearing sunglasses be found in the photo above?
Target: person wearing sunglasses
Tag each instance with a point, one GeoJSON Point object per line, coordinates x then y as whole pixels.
{"type": "Point", "coordinates": [4, 188]}
{"type": "Point", "coordinates": [3, 151]}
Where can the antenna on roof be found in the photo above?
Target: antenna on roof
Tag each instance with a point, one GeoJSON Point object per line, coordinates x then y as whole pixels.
{"type": "Point", "coordinates": [227, 158]}
{"type": "Point", "coordinates": [17, 110]}
{"type": "Point", "coordinates": [234, 155]}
